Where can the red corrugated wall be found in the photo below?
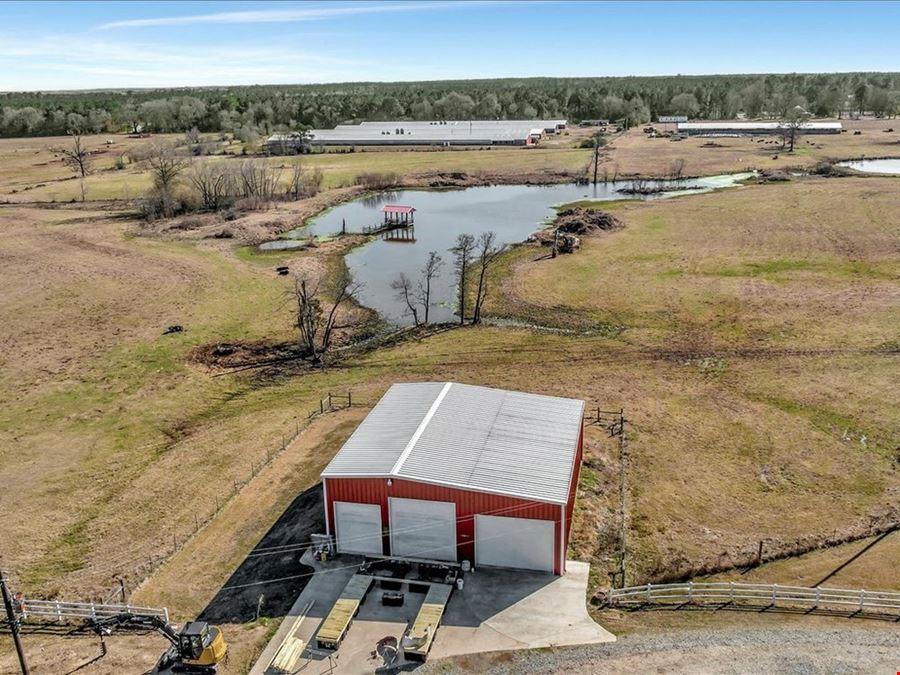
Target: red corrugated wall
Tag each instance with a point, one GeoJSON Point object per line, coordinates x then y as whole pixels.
{"type": "Point", "coordinates": [468, 504]}
{"type": "Point", "coordinates": [573, 486]}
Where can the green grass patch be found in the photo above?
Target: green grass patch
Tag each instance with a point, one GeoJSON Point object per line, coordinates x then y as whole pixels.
{"type": "Point", "coordinates": [768, 268]}
{"type": "Point", "coordinates": [255, 256]}
{"type": "Point", "coordinates": [597, 205]}
{"type": "Point", "coordinates": [823, 419]}
{"type": "Point", "coordinates": [589, 479]}
{"type": "Point", "coordinates": [843, 269]}
{"type": "Point", "coordinates": [66, 554]}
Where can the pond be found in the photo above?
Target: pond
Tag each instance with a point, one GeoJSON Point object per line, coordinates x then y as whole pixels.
{"type": "Point", "coordinates": [513, 212]}
{"type": "Point", "coordinates": [889, 166]}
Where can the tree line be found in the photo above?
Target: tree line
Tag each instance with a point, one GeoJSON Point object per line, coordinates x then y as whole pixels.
{"type": "Point", "coordinates": [249, 112]}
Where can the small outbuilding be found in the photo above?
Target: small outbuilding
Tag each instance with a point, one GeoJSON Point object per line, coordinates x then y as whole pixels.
{"type": "Point", "coordinates": [452, 472]}
{"type": "Point", "coordinates": [396, 214]}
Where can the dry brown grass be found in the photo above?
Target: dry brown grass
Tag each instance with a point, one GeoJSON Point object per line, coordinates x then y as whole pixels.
{"type": "Point", "coordinates": [634, 152]}
{"type": "Point", "coordinates": [756, 362]}
{"type": "Point", "coordinates": [31, 172]}
{"type": "Point", "coordinates": [114, 441]}
{"type": "Point", "coordinates": [875, 568]}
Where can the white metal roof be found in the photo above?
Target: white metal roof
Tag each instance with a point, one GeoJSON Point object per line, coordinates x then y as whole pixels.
{"type": "Point", "coordinates": [751, 126]}
{"type": "Point", "coordinates": [475, 132]}
{"type": "Point", "coordinates": [468, 437]}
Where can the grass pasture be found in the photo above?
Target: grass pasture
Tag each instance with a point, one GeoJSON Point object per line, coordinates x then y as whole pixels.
{"type": "Point", "coordinates": [758, 345]}
{"type": "Point", "coordinates": [634, 152]}
{"type": "Point", "coordinates": [33, 173]}
{"type": "Point", "coordinates": [750, 334]}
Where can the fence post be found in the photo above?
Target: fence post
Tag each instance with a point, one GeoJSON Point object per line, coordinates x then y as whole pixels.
{"type": "Point", "coordinates": [690, 591]}
{"type": "Point", "coordinates": [818, 592]}
{"type": "Point", "coordinates": [648, 592]}
{"type": "Point", "coordinates": [862, 599]}
{"type": "Point", "coordinates": [321, 406]}
{"type": "Point", "coordinates": [58, 612]}
{"type": "Point", "coordinates": [732, 592]}
{"type": "Point", "coordinates": [349, 399]}
{"type": "Point", "coordinates": [774, 592]}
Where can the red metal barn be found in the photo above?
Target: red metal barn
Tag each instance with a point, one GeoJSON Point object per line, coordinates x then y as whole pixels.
{"type": "Point", "coordinates": [446, 471]}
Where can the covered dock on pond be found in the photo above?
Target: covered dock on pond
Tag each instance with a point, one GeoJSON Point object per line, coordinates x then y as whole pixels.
{"type": "Point", "coordinates": [395, 214]}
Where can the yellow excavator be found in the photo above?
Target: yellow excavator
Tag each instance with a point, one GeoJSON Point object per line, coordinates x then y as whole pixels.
{"type": "Point", "coordinates": [196, 648]}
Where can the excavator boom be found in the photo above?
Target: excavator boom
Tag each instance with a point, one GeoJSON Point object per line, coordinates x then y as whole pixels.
{"type": "Point", "coordinates": [197, 647]}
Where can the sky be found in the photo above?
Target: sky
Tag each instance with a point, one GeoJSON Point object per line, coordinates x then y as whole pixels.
{"type": "Point", "coordinates": [91, 45]}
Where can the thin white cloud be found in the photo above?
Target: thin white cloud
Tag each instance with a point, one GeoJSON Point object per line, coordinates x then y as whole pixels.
{"type": "Point", "coordinates": [288, 15]}
{"type": "Point", "coordinates": [55, 62]}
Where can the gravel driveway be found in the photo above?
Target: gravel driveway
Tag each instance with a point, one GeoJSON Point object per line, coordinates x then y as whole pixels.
{"type": "Point", "coordinates": [769, 650]}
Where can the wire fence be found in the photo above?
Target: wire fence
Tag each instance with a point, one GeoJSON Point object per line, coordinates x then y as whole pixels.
{"type": "Point", "coordinates": [767, 595]}
{"type": "Point", "coordinates": [138, 569]}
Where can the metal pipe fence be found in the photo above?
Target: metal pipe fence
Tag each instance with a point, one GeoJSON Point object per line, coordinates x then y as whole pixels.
{"type": "Point", "coordinates": [725, 593]}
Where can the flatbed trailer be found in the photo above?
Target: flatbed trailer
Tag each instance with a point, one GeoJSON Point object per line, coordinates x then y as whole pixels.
{"type": "Point", "coordinates": [421, 635]}
{"type": "Point", "coordinates": [335, 626]}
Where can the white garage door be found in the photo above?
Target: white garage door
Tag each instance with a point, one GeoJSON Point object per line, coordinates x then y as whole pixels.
{"type": "Point", "coordinates": [523, 543]}
{"type": "Point", "coordinates": [423, 529]}
{"type": "Point", "coordinates": [358, 528]}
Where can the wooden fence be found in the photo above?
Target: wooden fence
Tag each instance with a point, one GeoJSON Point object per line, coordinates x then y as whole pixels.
{"type": "Point", "coordinates": [333, 402]}
{"type": "Point", "coordinates": [768, 595]}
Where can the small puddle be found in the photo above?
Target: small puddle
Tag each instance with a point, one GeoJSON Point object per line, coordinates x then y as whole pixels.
{"type": "Point", "coordinates": [885, 166]}
{"type": "Point", "coordinates": [513, 212]}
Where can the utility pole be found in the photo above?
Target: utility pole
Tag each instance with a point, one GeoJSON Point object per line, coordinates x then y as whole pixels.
{"type": "Point", "coordinates": [13, 624]}
{"type": "Point", "coordinates": [596, 155]}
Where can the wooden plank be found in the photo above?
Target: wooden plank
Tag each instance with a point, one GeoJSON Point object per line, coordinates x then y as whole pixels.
{"type": "Point", "coordinates": [335, 626]}
{"type": "Point", "coordinates": [428, 619]}
{"type": "Point", "coordinates": [285, 659]}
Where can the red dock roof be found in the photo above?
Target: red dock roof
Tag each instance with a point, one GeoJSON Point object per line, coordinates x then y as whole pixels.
{"type": "Point", "coordinates": [396, 208]}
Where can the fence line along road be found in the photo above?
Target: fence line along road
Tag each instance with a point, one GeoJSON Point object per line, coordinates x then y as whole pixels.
{"type": "Point", "coordinates": [725, 593]}
{"type": "Point", "coordinates": [63, 611]}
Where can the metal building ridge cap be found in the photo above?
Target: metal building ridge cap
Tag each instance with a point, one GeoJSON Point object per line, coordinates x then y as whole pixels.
{"type": "Point", "coordinates": [398, 465]}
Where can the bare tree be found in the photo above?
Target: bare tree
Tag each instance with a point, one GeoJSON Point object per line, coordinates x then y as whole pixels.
{"type": "Point", "coordinates": [303, 183]}
{"type": "Point", "coordinates": [676, 169]}
{"type": "Point", "coordinates": [77, 158]}
{"type": "Point", "coordinates": [192, 136]}
{"type": "Point", "coordinates": [214, 184]}
{"type": "Point", "coordinates": [166, 167]}
{"type": "Point", "coordinates": [430, 272]}
{"type": "Point", "coordinates": [316, 318]}
{"type": "Point", "coordinates": [258, 180]}
{"type": "Point", "coordinates": [403, 286]}
{"type": "Point", "coordinates": [598, 139]}
{"type": "Point", "coordinates": [488, 253]}
{"type": "Point", "coordinates": [295, 181]}
{"type": "Point", "coordinates": [792, 126]}
{"type": "Point", "coordinates": [463, 252]}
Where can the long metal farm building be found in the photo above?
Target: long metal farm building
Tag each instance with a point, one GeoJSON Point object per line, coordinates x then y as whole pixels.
{"type": "Point", "coordinates": [753, 128]}
{"type": "Point", "coordinates": [453, 472]}
{"type": "Point", "coordinates": [445, 133]}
